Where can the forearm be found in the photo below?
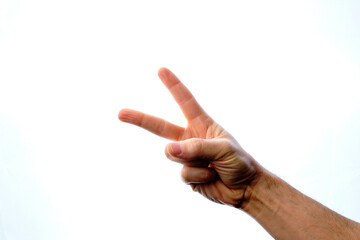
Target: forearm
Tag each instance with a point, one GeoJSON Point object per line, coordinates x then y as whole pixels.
{"type": "Point", "coordinates": [288, 214]}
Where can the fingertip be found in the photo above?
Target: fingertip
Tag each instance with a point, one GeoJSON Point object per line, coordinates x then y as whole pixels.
{"type": "Point", "coordinates": [168, 77]}
{"type": "Point", "coordinates": [126, 115]}
{"type": "Point", "coordinates": [173, 149]}
{"type": "Point", "coordinates": [162, 71]}
{"type": "Point", "coordinates": [122, 114]}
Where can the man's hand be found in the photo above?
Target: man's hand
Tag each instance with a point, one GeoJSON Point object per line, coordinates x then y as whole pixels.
{"type": "Point", "coordinates": [217, 167]}
{"type": "Point", "coordinates": [214, 163]}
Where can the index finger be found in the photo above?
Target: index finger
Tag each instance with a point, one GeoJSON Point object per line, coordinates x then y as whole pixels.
{"type": "Point", "coordinates": [188, 104]}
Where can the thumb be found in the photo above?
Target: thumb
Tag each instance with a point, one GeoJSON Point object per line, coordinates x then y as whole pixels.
{"type": "Point", "coordinates": [195, 149]}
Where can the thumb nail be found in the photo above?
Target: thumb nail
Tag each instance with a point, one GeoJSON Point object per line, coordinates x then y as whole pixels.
{"type": "Point", "coordinates": [175, 147]}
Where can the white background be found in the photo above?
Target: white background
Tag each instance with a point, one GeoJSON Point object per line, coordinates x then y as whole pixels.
{"type": "Point", "coordinates": [282, 76]}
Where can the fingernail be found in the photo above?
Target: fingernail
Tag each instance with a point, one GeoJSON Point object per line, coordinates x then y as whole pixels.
{"type": "Point", "coordinates": [176, 150]}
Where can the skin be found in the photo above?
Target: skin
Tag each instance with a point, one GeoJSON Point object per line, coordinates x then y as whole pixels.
{"type": "Point", "coordinates": [215, 165]}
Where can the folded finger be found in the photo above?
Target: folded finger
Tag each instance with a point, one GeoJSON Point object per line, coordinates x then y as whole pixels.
{"type": "Point", "coordinates": [198, 175]}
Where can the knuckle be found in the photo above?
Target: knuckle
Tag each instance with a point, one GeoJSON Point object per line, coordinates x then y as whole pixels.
{"type": "Point", "coordinates": [160, 127]}
{"type": "Point", "coordinates": [228, 146]}
{"type": "Point", "coordinates": [198, 145]}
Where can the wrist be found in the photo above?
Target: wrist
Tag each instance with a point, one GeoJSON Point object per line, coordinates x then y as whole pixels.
{"type": "Point", "coordinates": [260, 192]}
{"type": "Point", "coordinates": [255, 188]}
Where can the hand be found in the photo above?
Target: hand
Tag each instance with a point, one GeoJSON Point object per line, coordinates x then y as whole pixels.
{"type": "Point", "coordinates": [214, 163]}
